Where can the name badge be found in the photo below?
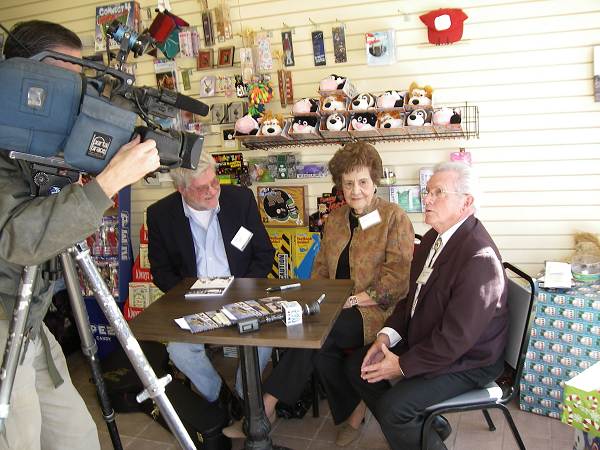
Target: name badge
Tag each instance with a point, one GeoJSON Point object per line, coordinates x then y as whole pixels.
{"type": "Point", "coordinates": [368, 220]}
{"type": "Point", "coordinates": [425, 274]}
{"type": "Point", "coordinates": [241, 238]}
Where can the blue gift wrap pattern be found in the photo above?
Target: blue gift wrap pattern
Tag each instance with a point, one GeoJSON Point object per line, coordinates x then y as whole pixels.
{"type": "Point", "coordinates": [565, 340]}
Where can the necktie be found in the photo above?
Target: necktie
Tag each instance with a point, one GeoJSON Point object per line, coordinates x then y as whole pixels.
{"type": "Point", "coordinates": [436, 247]}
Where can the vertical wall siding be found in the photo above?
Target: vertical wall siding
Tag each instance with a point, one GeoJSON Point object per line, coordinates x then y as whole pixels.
{"type": "Point", "coordinates": [527, 65]}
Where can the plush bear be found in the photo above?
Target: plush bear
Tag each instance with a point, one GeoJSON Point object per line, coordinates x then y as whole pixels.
{"type": "Point", "coordinates": [305, 105]}
{"type": "Point", "coordinates": [336, 122]}
{"type": "Point", "coordinates": [304, 124]}
{"type": "Point", "coordinates": [390, 119]}
{"type": "Point", "coordinates": [419, 96]}
{"type": "Point", "coordinates": [391, 99]}
{"type": "Point", "coordinates": [333, 103]}
{"type": "Point", "coordinates": [362, 102]}
{"type": "Point", "coordinates": [246, 125]}
{"type": "Point", "coordinates": [332, 83]}
{"type": "Point", "coordinates": [364, 121]}
{"type": "Point", "coordinates": [270, 124]}
{"type": "Point", "coordinates": [417, 118]}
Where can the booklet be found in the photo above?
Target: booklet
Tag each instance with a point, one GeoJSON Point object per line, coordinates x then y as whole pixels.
{"type": "Point", "coordinates": [240, 311]}
{"type": "Point", "coordinates": [208, 286]}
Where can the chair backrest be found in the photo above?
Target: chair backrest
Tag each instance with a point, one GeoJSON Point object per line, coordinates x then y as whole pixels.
{"type": "Point", "coordinates": [521, 299]}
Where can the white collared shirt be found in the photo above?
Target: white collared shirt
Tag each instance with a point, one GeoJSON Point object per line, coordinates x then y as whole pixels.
{"type": "Point", "coordinates": [211, 258]}
{"type": "Point", "coordinates": [432, 258]}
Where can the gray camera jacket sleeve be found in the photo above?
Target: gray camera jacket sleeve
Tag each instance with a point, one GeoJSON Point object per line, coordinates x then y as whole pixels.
{"type": "Point", "coordinates": [32, 230]}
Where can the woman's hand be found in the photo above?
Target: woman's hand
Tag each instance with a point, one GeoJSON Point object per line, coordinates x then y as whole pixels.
{"type": "Point", "coordinates": [360, 299]}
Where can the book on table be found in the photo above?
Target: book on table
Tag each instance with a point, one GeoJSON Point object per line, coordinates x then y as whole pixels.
{"type": "Point", "coordinates": [208, 286]}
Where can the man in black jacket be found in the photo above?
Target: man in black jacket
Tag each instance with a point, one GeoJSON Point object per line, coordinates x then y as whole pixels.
{"type": "Point", "coordinates": [205, 229]}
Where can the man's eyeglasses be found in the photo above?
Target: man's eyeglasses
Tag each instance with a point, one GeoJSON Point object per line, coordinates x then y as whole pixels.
{"type": "Point", "coordinates": [203, 189]}
{"type": "Point", "coordinates": [438, 192]}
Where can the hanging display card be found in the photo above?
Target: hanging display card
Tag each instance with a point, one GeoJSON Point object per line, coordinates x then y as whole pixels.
{"type": "Point", "coordinates": [381, 47]}
{"type": "Point", "coordinates": [265, 58]}
{"type": "Point", "coordinates": [288, 48]}
{"type": "Point", "coordinates": [339, 44]}
{"type": "Point", "coordinates": [318, 48]}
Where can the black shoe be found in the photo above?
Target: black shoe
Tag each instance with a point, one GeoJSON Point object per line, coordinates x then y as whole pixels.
{"type": "Point", "coordinates": [225, 397]}
{"type": "Point", "coordinates": [442, 427]}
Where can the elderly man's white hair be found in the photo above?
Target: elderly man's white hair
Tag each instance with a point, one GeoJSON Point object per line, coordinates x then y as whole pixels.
{"type": "Point", "coordinates": [467, 181]}
{"type": "Point", "coordinates": [183, 177]}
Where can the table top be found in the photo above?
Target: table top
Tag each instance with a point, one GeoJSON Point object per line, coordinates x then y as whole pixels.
{"type": "Point", "coordinates": [157, 321]}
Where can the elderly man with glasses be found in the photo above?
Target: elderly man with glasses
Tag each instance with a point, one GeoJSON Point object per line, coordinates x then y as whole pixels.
{"type": "Point", "coordinates": [448, 335]}
{"type": "Point", "coordinates": [197, 232]}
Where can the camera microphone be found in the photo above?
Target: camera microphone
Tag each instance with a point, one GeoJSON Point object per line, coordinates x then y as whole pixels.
{"type": "Point", "coordinates": [171, 98]}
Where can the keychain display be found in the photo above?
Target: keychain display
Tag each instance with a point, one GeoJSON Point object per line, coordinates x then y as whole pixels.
{"type": "Point", "coordinates": [339, 44]}
{"type": "Point", "coordinates": [288, 48]}
{"type": "Point", "coordinates": [318, 48]}
{"type": "Point", "coordinates": [223, 22]}
{"type": "Point", "coordinates": [264, 56]}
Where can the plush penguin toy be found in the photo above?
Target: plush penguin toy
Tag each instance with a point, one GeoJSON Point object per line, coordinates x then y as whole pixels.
{"type": "Point", "coordinates": [305, 105]}
{"type": "Point", "coordinates": [364, 121]}
{"type": "Point", "coordinates": [333, 103]}
{"type": "Point", "coordinates": [362, 102]}
{"type": "Point", "coordinates": [336, 122]}
{"type": "Point", "coordinates": [304, 124]}
{"type": "Point", "coordinates": [417, 118]}
{"type": "Point", "coordinates": [391, 99]}
{"type": "Point", "coordinates": [390, 119]}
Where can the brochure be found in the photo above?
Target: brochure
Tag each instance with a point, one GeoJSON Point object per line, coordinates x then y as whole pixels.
{"type": "Point", "coordinates": [240, 311]}
{"type": "Point", "coordinates": [208, 286]}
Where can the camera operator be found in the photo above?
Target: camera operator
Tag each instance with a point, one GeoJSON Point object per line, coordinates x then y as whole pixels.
{"type": "Point", "coordinates": [46, 410]}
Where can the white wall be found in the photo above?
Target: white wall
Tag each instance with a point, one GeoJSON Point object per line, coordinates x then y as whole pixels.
{"type": "Point", "coordinates": [527, 65]}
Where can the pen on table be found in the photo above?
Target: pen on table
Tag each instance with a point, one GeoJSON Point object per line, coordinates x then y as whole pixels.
{"type": "Point", "coordinates": [283, 288]}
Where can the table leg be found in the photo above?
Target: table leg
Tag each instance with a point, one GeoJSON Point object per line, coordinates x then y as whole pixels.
{"type": "Point", "coordinates": [256, 425]}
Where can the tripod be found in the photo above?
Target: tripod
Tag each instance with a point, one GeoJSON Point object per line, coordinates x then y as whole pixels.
{"type": "Point", "coordinates": [154, 387]}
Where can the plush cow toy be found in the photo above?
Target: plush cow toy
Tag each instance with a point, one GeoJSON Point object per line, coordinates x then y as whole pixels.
{"type": "Point", "coordinates": [304, 124]}
{"type": "Point", "coordinates": [246, 125]}
{"type": "Point", "coordinates": [332, 83]}
{"type": "Point", "coordinates": [305, 105]}
{"type": "Point", "coordinates": [364, 121]}
{"type": "Point", "coordinates": [391, 99]}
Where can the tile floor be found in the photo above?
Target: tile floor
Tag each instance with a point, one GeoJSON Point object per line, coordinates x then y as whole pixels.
{"type": "Point", "coordinates": [139, 432]}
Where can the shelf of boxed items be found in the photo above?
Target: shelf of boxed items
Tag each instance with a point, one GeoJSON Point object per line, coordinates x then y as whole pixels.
{"type": "Point", "coordinates": [110, 247]}
{"type": "Point", "coordinates": [467, 129]}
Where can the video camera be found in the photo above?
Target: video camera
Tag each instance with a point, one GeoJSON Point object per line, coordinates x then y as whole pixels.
{"type": "Point", "coordinates": [48, 110]}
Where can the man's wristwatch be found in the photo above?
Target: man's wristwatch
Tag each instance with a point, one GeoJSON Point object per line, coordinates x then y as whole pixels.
{"type": "Point", "coordinates": [352, 301]}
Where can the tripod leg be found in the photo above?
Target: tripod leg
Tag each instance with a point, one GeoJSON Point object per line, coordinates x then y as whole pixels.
{"type": "Point", "coordinates": [89, 346]}
{"type": "Point", "coordinates": [14, 341]}
{"type": "Point", "coordinates": [155, 388]}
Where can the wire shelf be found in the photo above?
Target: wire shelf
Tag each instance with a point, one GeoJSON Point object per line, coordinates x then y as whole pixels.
{"type": "Point", "coordinates": [467, 129]}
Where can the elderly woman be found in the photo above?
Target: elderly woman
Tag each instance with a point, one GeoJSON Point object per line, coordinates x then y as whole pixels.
{"type": "Point", "coordinates": [370, 241]}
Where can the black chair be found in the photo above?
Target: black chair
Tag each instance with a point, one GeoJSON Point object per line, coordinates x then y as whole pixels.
{"type": "Point", "coordinates": [521, 298]}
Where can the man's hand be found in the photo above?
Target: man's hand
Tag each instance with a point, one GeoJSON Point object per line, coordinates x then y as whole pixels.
{"type": "Point", "coordinates": [374, 354]}
{"type": "Point", "coordinates": [130, 163]}
{"type": "Point", "coordinates": [380, 363]}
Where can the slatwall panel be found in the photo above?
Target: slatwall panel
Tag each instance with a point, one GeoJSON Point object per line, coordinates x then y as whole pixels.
{"type": "Point", "coordinates": [527, 65]}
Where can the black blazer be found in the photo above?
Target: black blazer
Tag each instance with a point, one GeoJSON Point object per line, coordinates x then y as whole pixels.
{"type": "Point", "coordinates": [171, 246]}
{"type": "Point", "coordinates": [461, 318]}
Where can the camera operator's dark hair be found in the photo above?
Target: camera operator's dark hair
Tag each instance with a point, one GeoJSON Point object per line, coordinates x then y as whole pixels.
{"type": "Point", "coordinates": [34, 36]}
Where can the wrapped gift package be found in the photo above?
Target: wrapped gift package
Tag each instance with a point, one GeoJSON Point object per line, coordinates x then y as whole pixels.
{"type": "Point", "coordinates": [580, 407]}
{"type": "Point", "coordinates": [565, 341]}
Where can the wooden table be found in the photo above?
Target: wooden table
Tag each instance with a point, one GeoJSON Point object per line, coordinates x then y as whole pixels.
{"type": "Point", "coordinates": [157, 323]}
